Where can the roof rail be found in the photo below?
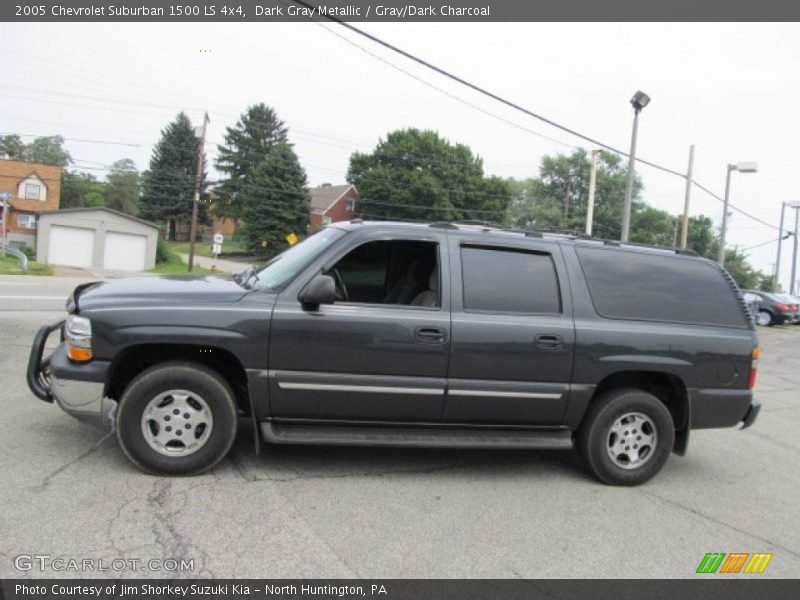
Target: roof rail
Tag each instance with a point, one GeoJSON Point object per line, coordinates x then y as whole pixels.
{"type": "Point", "coordinates": [443, 225]}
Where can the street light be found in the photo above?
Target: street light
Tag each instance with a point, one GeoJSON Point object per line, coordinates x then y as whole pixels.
{"type": "Point", "coordinates": [639, 101]}
{"type": "Point", "coordinates": [742, 167]}
{"type": "Point", "coordinates": [796, 207]}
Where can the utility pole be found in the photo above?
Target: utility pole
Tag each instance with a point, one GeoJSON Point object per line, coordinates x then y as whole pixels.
{"type": "Point", "coordinates": [198, 180]}
{"type": "Point", "coordinates": [724, 228]}
{"type": "Point", "coordinates": [4, 196]}
{"type": "Point", "coordinates": [780, 244]}
{"type": "Point", "coordinates": [685, 224]}
{"type": "Point", "coordinates": [592, 185]}
{"type": "Point", "coordinates": [566, 199]}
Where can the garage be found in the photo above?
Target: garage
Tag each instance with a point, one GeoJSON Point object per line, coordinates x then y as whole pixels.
{"type": "Point", "coordinates": [97, 239]}
{"type": "Point", "coordinates": [125, 251]}
{"type": "Point", "coordinates": [71, 246]}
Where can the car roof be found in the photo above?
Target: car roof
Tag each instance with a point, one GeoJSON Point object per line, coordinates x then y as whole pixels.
{"type": "Point", "coordinates": [480, 231]}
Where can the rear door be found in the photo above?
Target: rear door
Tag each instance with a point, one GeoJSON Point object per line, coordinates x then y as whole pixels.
{"type": "Point", "coordinates": [513, 335]}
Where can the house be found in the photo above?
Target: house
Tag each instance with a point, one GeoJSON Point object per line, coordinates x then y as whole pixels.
{"type": "Point", "coordinates": [34, 188]}
{"type": "Point", "coordinates": [332, 203]}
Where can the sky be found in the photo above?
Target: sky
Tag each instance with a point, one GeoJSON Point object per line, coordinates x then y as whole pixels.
{"type": "Point", "coordinates": [730, 89]}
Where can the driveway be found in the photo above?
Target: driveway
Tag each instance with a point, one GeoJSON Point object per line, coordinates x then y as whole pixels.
{"type": "Point", "coordinates": [228, 266]}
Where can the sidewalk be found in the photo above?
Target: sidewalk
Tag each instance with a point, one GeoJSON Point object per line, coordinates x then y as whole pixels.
{"type": "Point", "coordinates": [226, 266]}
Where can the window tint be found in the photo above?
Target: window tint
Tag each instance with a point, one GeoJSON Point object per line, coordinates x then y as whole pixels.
{"type": "Point", "coordinates": [505, 281]}
{"type": "Point", "coordinates": [651, 287]}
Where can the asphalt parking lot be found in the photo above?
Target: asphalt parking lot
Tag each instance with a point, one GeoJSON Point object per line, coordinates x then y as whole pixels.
{"type": "Point", "coordinates": [68, 491]}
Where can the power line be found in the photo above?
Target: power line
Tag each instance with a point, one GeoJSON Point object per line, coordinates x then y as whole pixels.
{"type": "Point", "coordinates": [520, 108]}
{"type": "Point", "coordinates": [35, 135]}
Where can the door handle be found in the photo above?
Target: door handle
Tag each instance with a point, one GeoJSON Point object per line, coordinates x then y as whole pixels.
{"type": "Point", "coordinates": [548, 341]}
{"type": "Point", "coordinates": [430, 335]}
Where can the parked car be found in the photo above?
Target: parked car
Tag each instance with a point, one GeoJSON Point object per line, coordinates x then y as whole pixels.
{"type": "Point", "coordinates": [794, 307]}
{"type": "Point", "coordinates": [773, 309]}
{"type": "Point", "coordinates": [441, 335]}
{"type": "Point", "coordinates": [796, 300]}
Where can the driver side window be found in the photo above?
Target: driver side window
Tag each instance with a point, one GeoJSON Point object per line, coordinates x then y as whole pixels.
{"type": "Point", "coordinates": [395, 272]}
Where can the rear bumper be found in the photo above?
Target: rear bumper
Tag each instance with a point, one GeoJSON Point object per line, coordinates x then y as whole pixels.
{"type": "Point", "coordinates": [713, 408]}
{"type": "Point", "coordinates": [752, 414]}
{"type": "Point", "coordinates": [78, 389]}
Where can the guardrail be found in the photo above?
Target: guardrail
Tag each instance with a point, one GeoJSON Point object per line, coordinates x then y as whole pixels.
{"type": "Point", "coordinates": [23, 260]}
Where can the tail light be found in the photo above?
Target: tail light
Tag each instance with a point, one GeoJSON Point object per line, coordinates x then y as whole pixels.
{"type": "Point", "coordinates": [782, 307]}
{"type": "Point", "coordinates": [754, 356]}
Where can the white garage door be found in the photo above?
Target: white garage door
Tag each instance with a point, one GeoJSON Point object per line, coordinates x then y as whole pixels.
{"type": "Point", "coordinates": [125, 251]}
{"type": "Point", "coordinates": [71, 246]}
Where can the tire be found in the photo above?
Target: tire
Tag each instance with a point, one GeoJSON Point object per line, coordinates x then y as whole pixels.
{"type": "Point", "coordinates": [605, 417]}
{"type": "Point", "coordinates": [193, 402]}
{"type": "Point", "coordinates": [764, 318]}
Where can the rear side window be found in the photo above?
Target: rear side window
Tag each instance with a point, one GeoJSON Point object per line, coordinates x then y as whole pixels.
{"type": "Point", "coordinates": [505, 281]}
{"type": "Point", "coordinates": [648, 287]}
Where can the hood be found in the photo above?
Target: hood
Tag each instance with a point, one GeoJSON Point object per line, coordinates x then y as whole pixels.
{"type": "Point", "coordinates": [157, 290]}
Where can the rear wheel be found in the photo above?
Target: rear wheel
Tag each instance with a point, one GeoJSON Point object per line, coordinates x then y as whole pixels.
{"type": "Point", "coordinates": [764, 318]}
{"type": "Point", "coordinates": [177, 419]}
{"type": "Point", "coordinates": [626, 437]}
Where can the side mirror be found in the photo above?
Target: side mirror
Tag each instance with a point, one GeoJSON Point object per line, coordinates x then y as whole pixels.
{"type": "Point", "coordinates": [320, 290]}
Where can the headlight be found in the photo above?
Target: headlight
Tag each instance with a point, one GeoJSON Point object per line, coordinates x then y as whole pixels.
{"type": "Point", "coordinates": [78, 336]}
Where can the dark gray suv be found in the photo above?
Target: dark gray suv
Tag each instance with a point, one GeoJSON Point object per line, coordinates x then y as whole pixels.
{"type": "Point", "coordinates": [436, 335]}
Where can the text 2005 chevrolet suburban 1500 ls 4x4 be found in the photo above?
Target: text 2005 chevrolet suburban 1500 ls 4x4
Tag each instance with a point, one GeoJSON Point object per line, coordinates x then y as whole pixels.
{"type": "Point", "coordinates": [438, 335]}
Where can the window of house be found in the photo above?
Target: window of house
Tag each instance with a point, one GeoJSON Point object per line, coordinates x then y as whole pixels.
{"type": "Point", "coordinates": [351, 206]}
{"type": "Point", "coordinates": [26, 221]}
{"type": "Point", "coordinates": [499, 280]}
{"type": "Point", "coordinates": [33, 191]}
{"type": "Point", "coordinates": [326, 221]}
{"type": "Point", "coordinates": [403, 272]}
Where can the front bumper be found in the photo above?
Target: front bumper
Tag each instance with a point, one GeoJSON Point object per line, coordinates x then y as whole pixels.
{"type": "Point", "coordinates": [77, 388]}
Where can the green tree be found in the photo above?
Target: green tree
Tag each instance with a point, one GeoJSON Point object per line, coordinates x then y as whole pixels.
{"type": "Point", "coordinates": [168, 185]}
{"type": "Point", "coordinates": [702, 237]}
{"type": "Point", "coordinates": [48, 150]}
{"type": "Point", "coordinates": [93, 199]}
{"type": "Point", "coordinates": [745, 275]}
{"type": "Point", "coordinates": [77, 187]}
{"type": "Point", "coordinates": [246, 146]}
{"type": "Point", "coordinates": [122, 187]}
{"type": "Point", "coordinates": [418, 175]}
{"type": "Point", "coordinates": [13, 146]}
{"type": "Point", "coordinates": [653, 226]}
{"type": "Point", "coordinates": [275, 201]}
{"type": "Point", "coordinates": [558, 198]}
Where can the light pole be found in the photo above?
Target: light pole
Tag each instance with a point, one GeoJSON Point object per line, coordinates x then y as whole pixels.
{"type": "Point", "coordinates": [639, 101]}
{"type": "Point", "coordinates": [796, 207]}
{"type": "Point", "coordinates": [742, 167]}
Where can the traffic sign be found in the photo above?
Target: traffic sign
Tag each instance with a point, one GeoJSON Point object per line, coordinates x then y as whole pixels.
{"type": "Point", "coordinates": [216, 249]}
{"type": "Point", "coordinates": [292, 239]}
{"type": "Point", "coordinates": [5, 195]}
{"type": "Point", "coordinates": [219, 238]}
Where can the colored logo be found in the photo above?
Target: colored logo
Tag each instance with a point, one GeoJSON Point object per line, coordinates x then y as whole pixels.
{"type": "Point", "coordinates": [735, 562]}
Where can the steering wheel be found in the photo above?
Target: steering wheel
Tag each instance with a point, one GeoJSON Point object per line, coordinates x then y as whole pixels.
{"type": "Point", "coordinates": [341, 288]}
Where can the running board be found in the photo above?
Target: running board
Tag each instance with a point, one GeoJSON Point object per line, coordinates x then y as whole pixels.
{"type": "Point", "coordinates": [417, 437]}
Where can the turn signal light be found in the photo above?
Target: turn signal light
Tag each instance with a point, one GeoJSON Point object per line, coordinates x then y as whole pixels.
{"type": "Point", "coordinates": [79, 354]}
{"type": "Point", "coordinates": [754, 356]}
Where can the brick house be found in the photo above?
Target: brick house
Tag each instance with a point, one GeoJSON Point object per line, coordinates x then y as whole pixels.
{"type": "Point", "coordinates": [34, 188]}
{"type": "Point", "coordinates": [332, 203]}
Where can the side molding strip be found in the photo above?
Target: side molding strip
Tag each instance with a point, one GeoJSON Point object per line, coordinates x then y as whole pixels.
{"type": "Point", "coordinates": [498, 394]}
{"type": "Point", "coordinates": [373, 389]}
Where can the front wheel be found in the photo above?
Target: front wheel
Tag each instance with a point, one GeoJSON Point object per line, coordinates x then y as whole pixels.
{"type": "Point", "coordinates": [626, 437]}
{"type": "Point", "coordinates": [177, 419]}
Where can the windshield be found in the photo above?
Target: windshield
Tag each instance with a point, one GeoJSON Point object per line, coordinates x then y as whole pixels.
{"type": "Point", "coordinates": [281, 269]}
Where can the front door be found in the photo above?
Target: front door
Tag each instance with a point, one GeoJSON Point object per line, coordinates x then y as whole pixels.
{"type": "Point", "coordinates": [380, 352]}
{"type": "Point", "coordinates": [513, 335]}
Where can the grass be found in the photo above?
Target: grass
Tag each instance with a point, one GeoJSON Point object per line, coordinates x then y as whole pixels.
{"type": "Point", "coordinates": [172, 264]}
{"type": "Point", "coordinates": [9, 265]}
{"type": "Point", "coordinates": [204, 248]}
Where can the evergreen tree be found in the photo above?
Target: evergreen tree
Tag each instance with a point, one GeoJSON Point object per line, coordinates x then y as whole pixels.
{"type": "Point", "coordinates": [275, 201]}
{"type": "Point", "coordinates": [168, 186]}
{"type": "Point", "coordinates": [246, 146]}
